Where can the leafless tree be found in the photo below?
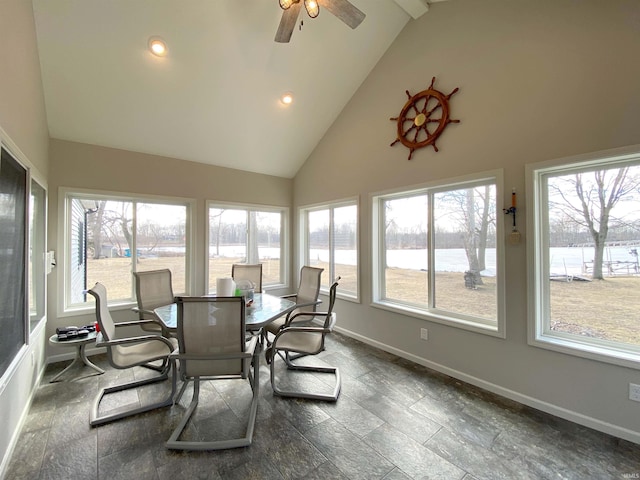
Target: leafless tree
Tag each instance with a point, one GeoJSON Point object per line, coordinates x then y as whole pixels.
{"type": "Point", "coordinates": [96, 229]}
{"type": "Point", "coordinates": [470, 210]}
{"type": "Point", "coordinates": [217, 230]}
{"type": "Point", "coordinates": [588, 199]}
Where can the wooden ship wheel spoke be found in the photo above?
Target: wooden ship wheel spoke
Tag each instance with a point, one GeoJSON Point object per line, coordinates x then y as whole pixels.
{"type": "Point", "coordinates": [417, 125]}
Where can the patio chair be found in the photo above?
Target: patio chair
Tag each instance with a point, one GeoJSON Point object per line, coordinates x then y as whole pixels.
{"type": "Point", "coordinates": [306, 300]}
{"type": "Point", "coordinates": [125, 352]}
{"type": "Point", "coordinates": [304, 341]}
{"type": "Point", "coordinates": [211, 338]}
{"type": "Point", "coordinates": [153, 289]}
{"type": "Point", "coordinates": [251, 272]}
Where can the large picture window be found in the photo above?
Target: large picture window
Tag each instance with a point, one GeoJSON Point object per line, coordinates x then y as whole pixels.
{"type": "Point", "coordinates": [108, 237]}
{"type": "Point", "coordinates": [329, 237]}
{"type": "Point", "coordinates": [247, 234]}
{"type": "Point", "coordinates": [13, 240]}
{"type": "Point", "coordinates": [438, 253]}
{"type": "Point", "coordinates": [586, 274]}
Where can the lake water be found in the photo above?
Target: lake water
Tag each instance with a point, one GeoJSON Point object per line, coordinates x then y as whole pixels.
{"type": "Point", "coordinates": [564, 260]}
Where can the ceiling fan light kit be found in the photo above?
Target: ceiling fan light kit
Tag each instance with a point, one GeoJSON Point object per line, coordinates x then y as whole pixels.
{"type": "Point", "coordinates": [343, 9]}
{"type": "Point", "coordinates": [311, 6]}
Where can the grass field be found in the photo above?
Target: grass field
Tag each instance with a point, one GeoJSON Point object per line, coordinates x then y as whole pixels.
{"type": "Point", "coordinates": [606, 309]}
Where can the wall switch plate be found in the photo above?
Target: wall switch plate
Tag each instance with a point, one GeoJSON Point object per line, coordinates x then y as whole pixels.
{"type": "Point", "coordinates": [424, 334]}
{"type": "Point", "coordinates": [634, 392]}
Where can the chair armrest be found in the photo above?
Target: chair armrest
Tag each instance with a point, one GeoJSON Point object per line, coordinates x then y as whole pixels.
{"type": "Point", "coordinates": [143, 310]}
{"type": "Point", "coordinates": [100, 342]}
{"type": "Point", "coordinates": [291, 316]}
{"type": "Point", "coordinates": [290, 295]}
{"type": "Point", "coordinates": [156, 321]}
{"type": "Point", "coordinates": [130, 323]}
{"type": "Point", "coordinates": [303, 329]}
{"type": "Point", "coordinates": [308, 314]}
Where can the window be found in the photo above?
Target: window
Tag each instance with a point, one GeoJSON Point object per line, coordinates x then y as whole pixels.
{"type": "Point", "coordinates": [330, 241]}
{"type": "Point", "coordinates": [110, 236]}
{"type": "Point", "coordinates": [586, 238]}
{"type": "Point", "coordinates": [240, 234]}
{"type": "Point", "coordinates": [13, 240]}
{"type": "Point", "coordinates": [437, 253]}
{"type": "Point", "coordinates": [37, 266]}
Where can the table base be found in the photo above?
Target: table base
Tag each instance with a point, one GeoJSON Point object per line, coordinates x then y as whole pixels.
{"type": "Point", "coordinates": [81, 357]}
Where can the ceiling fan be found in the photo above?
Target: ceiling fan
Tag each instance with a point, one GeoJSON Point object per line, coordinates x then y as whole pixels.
{"type": "Point", "coordinates": [343, 9]}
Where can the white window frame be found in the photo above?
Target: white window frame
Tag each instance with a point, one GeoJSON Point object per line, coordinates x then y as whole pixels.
{"type": "Point", "coordinates": [32, 334]}
{"type": "Point", "coordinates": [38, 250]}
{"type": "Point", "coordinates": [284, 237]}
{"type": "Point", "coordinates": [539, 335]}
{"type": "Point", "coordinates": [303, 231]}
{"type": "Point", "coordinates": [64, 241]}
{"type": "Point", "coordinates": [431, 313]}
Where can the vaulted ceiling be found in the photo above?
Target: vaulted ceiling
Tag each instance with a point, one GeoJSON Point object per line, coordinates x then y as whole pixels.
{"type": "Point", "coordinates": [215, 97]}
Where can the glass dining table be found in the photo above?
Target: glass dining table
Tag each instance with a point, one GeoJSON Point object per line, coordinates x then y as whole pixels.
{"type": "Point", "coordinates": [264, 309]}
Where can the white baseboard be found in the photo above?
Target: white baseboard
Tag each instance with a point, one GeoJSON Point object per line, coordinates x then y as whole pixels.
{"type": "Point", "coordinates": [550, 408]}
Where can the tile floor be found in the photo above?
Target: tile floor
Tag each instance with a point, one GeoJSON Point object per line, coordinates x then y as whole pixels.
{"type": "Point", "coordinates": [394, 420]}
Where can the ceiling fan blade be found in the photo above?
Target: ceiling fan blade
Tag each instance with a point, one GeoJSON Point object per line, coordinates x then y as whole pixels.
{"type": "Point", "coordinates": [288, 23]}
{"type": "Point", "coordinates": [344, 10]}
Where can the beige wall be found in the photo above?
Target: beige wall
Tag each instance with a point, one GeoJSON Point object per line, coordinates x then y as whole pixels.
{"type": "Point", "coordinates": [538, 81]}
{"type": "Point", "coordinates": [22, 111]}
{"type": "Point", "coordinates": [78, 165]}
{"type": "Point", "coordinates": [23, 129]}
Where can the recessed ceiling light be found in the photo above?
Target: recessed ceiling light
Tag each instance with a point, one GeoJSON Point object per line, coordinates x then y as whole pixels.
{"type": "Point", "coordinates": [157, 46]}
{"type": "Point", "coordinates": [287, 98]}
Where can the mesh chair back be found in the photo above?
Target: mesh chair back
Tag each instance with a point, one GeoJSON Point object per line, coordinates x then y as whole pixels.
{"type": "Point", "coordinates": [251, 272]}
{"type": "Point", "coordinates": [212, 326]}
{"type": "Point", "coordinates": [103, 316]}
{"type": "Point", "coordinates": [153, 288]}
{"type": "Point", "coordinates": [330, 318]}
{"type": "Point", "coordinates": [309, 288]}
{"type": "Point", "coordinates": [118, 354]}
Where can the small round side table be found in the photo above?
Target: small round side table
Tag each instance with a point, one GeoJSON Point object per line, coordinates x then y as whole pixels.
{"type": "Point", "coordinates": [81, 357]}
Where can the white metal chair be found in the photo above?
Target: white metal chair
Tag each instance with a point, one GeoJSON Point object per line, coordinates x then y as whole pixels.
{"type": "Point", "coordinates": [306, 300]}
{"type": "Point", "coordinates": [251, 272]}
{"type": "Point", "coordinates": [153, 289]}
{"type": "Point", "coordinates": [211, 338]}
{"type": "Point", "coordinates": [303, 341]}
{"type": "Point", "coordinates": [129, 351]}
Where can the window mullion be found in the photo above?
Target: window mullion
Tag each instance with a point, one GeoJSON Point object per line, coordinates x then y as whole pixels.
{"type": "Point", "coordinates": [332, 267]}
{"type": "Point", "coordinates": [431, 262]}
{"type": "Point", "coordinates": [248, 237]}
{"type": "Point", "coordinates": [382, 251]}
{"type": "Point", "coordinates": [134, 244]}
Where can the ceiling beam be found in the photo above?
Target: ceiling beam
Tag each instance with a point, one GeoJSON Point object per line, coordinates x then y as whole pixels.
{"type": "Point", "coordinates": [415, 8]}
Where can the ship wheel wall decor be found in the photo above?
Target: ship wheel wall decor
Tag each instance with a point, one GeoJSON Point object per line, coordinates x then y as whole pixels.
{"type": "Point", "coordinates": [423, 118]}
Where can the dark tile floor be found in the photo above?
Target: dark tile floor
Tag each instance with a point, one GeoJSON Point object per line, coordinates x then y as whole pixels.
{"type": "Point", "coordinates": [394, 420]}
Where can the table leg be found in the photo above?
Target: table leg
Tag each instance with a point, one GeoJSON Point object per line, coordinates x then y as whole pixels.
{"type": "Point", "coordinates": [80, 357]}
{"type": "Point", "coordinates": [88, 362]}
